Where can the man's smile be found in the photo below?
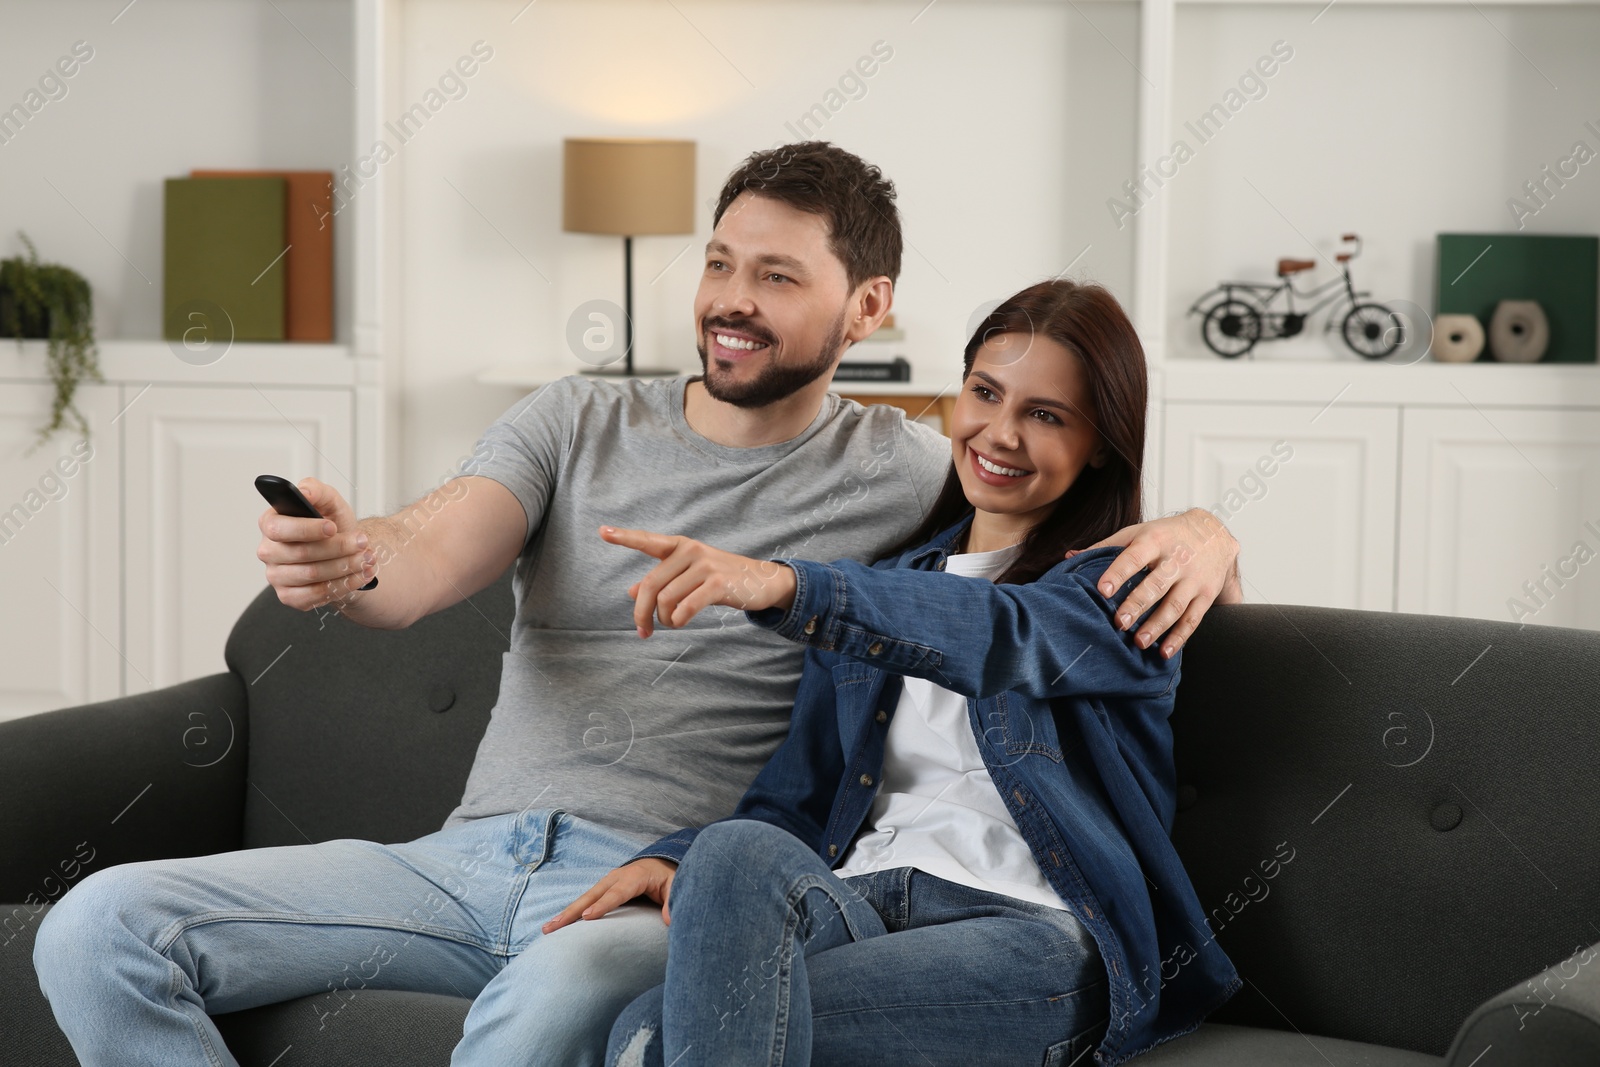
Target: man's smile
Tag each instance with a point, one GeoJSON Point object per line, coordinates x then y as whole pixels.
{"type": "Point", "coordinates": [734, 345]}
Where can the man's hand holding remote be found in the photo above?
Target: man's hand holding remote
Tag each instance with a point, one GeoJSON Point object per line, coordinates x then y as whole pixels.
{"type": "Point", "coordinates": [312, 562]}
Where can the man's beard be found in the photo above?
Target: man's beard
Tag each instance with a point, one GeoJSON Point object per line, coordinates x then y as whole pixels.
{"type": "Point", "coordinates": [776, 381]}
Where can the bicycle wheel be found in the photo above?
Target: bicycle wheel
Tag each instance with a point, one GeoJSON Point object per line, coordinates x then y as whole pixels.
{"type": "Point", "coordinates": [1231, 328]}
{"type": "Point", "coordinates": [1373, 331]}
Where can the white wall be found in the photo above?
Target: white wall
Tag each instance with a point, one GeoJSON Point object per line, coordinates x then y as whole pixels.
{"type": "Point", "coordinates": [1395, 121]}
{"type": "Point", "coordinates": [172, 86]}
{"type": "Point", "coordinates": [1006, 125]}
{"type": "Point", "coordinates": [1000, 122]}
{"type": "Point", "coordinates": [997, 121]}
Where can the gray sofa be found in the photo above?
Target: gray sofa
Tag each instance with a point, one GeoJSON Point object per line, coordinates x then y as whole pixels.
{"type": "Point", "coordinates": [1390, 818]}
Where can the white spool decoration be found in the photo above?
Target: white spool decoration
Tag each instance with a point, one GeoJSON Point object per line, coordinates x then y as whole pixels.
{"type": "Point", "coordinates": [1519, 331]}
{"type": "Point", "coordinates": [1457, 338]}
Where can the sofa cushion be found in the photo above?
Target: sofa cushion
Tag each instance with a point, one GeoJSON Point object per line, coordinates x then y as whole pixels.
{"type": "Point", "coordinates": [1388, 817]}
{"type": "Point", "coordinates": [1218, 1045]}
{"type": "Point", "coordinates": [356, 732]}
{"type": "Point", "coordinates": [375, 1028]}
{"type": "Point", "coordinates": [31, 1034]}
{"type": "Point", "coordinates": [1550, 1020]}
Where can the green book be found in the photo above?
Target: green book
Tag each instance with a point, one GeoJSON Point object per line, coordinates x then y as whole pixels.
{"type": "Point", "coordinates": [224, 252]}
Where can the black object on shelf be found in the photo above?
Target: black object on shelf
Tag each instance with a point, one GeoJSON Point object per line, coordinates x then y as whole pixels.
{"type": "Point", "coordinates": [895, 370]}
{"type": "Point", "coordinates": [1243, 313]}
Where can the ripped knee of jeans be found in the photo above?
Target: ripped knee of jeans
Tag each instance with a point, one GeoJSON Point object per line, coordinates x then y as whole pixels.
{"type": "Point", "coordinates": [635, 1052]}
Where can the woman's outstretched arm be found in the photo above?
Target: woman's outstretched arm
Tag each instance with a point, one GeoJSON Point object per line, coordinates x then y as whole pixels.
{"type": "Point", "coordinates": [1048, 638]}
{"type": "Point", "coordinates": [1052, 637]}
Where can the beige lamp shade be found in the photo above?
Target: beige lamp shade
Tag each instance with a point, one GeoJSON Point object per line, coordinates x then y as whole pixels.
{"type": "Point", "coordinates": [627, 186]}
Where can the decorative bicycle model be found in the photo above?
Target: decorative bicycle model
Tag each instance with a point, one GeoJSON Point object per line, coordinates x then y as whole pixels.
{"type": "Point", "coordinates": [1238, 314]}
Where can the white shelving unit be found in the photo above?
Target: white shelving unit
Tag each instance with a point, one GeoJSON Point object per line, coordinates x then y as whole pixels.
{"type": "Point", "coordinates": [1153, 300]}
{"type": "Point", "coordinates": [1429, 487]}
{"type": "Point", "coordinates": [133, 547]}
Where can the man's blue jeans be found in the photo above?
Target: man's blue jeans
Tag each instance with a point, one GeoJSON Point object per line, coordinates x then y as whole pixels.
{"type": "Point", "coordinates": [774, 959]}
{"type": "Point", "coordinates": [135, 957]}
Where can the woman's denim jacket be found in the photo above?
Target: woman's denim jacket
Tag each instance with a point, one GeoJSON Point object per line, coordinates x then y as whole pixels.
{"type": "Point", "coordinates": [1071, 718]}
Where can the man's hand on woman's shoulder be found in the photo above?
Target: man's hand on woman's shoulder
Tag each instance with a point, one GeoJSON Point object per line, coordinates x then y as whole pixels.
{"type": "Point", "coordinates": [1193, 564]}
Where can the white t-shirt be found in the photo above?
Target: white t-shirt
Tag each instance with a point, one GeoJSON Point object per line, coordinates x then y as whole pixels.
{"type": "Point", "coordinates": [937, 809]}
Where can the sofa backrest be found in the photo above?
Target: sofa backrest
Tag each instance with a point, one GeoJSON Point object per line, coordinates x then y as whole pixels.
{"type": "Point", "coordinates": [1390, 817]}
{"type": "Point", "coordinates": [365, 733]}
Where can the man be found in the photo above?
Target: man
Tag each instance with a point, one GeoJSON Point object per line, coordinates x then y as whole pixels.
{"type": "Point", "coordinates": [599, 742]}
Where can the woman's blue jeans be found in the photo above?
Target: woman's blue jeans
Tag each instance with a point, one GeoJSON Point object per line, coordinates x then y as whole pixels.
{"type": "Point", "coordinates": [773, 959]}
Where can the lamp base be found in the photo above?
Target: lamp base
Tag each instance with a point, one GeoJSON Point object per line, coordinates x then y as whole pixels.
{"type": "Point", "coordinates": [636, 372]}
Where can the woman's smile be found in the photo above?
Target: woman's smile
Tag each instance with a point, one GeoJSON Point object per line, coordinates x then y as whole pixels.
{"type": "Point", "coordinates": [993, 471]}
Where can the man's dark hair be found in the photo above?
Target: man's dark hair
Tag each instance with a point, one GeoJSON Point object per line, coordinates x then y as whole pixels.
{"type": "Point", "coordinates": [852, 196]}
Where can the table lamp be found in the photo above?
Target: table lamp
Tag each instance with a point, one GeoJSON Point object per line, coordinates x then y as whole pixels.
{"type": "Point", "coordinates": [628, 187]}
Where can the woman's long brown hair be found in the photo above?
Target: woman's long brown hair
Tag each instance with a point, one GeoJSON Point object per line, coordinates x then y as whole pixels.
{"type": "Point", "coordinates": [1087, 321]}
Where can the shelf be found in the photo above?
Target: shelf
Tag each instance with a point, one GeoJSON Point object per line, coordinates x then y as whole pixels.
{"type": "Point", "coordinates": [532, 378]}
{"type": "Point", "coordinates": [525, 377]}
{"type": "Point", "coordinates": [894, 388]}
{"type": "Point", "coordinates": [1428, 383]}
{"type": "Point", "coordinates": [1400, 3]}
{"type": "Point", "coordinates": [263, 363]}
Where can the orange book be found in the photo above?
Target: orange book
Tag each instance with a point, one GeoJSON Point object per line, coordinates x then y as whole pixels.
{"type": "Point", "coordinates": [308, 265]}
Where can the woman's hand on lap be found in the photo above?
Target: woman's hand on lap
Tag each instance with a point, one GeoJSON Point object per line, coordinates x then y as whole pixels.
{"type": "Point", "coordinates": [642, 878]}
{"type": "Point", "coordinates": [693, 576]}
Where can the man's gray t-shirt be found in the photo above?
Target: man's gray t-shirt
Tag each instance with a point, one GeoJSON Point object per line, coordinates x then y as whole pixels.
{"type": "Point", "coordinates": [650, 735]}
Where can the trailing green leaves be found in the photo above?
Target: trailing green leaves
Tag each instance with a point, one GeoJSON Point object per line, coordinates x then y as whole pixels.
{"type": "Point", "coordinates": [45, 299]}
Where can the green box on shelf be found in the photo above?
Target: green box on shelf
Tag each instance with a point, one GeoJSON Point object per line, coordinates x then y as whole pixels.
{"type": "Point", "coordinates": [1478, 270]}
{"type": "Point", "coordinates": [223, 248]}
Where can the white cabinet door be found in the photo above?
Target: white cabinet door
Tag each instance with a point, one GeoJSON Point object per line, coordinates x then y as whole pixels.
{"type": "Point", "coordinates": [1308, 490]}
{"type": "Point", "coordinates": [1500, 507]}
{"type": "Point", "coordinates": [60, 577]}
{"type": "Point", "coordinates": [192, 458]}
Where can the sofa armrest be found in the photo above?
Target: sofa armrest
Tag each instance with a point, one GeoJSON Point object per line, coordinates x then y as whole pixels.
{"type": "Point", "coordinates": [150, 776]}
{"type": "Point", "coordinates": [1551, 1020]}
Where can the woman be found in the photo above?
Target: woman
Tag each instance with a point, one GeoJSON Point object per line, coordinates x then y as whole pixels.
{"type": "Point", "coordinates": [961, 853]}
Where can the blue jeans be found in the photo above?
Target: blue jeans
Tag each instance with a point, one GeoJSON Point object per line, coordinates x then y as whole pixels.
{"type": "Point", "coordinates": [774, 959]}
{"type": "Point", "coordinates": [135, 958]}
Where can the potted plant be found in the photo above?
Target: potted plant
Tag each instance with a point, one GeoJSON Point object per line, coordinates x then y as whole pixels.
{"type": "Point", "coordinates": [45, 300]}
